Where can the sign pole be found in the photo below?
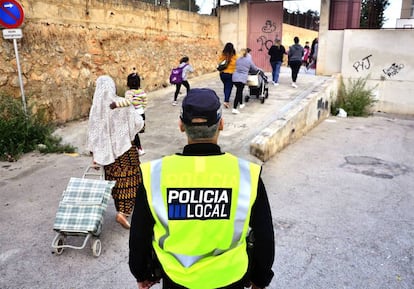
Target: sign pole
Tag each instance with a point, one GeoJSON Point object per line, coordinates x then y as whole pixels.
{"type": "Point", "coordinates": [12, 16]}
{"type": "Point", "coordinates": [20, 75]}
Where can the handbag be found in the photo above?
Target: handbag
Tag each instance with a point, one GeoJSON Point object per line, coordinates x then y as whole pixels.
{"type": "Point", "coordinates": [222, 65]}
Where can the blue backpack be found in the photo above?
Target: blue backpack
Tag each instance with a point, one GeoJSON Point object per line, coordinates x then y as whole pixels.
{"type": "Point", "coordinates": [176, 75]}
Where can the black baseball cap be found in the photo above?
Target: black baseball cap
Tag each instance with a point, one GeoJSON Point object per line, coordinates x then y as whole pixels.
{"type": "Point", "coordinates": [201, 103]}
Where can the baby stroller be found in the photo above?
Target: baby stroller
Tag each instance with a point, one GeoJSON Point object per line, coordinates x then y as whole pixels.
{"type": "Point", "coordinates": [81, 210]}
{"type": "Point", "coordinates": [258, 86]}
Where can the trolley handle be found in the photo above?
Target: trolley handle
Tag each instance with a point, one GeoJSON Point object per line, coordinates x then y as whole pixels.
{"type": "Point", "coordinates": [95, 171]}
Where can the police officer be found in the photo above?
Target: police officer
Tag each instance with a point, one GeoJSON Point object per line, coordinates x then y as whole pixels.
{"type": "Point", "coordinates": [193, 221]}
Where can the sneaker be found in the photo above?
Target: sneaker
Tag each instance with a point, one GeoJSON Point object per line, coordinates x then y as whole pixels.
{"type": "Point", "coordinates": [141, 152]}
{"type": "Point", "coordinates": [226, 105]}
{"type": "Point", "coordinates": [235, 111]}
{"type": "Point", "coordinates": [294, 85]}
{"type": "Point", "coordinates": [174, 103]}
{"type": "Point", "coordinates": [242, 106]}
{"type": "Point", "coordinates": [275, 83]}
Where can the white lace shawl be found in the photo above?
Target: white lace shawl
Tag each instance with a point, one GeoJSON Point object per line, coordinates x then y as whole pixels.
{"type": "Point", "coordinates": [110, 131]}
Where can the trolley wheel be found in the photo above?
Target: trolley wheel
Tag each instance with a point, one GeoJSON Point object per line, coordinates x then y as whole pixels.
{"type": "Point", "coordinates": [246, 98]}
{"type": "Point", "coordinates": [60, 241]}
{"type": "Point", "coordinates": [96, 247]}
{"type": "Point", "coordinates": [262, 100]}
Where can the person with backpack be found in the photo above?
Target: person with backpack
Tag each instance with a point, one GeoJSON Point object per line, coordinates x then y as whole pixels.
{"type": "Point", "coordinates": [181, 77]}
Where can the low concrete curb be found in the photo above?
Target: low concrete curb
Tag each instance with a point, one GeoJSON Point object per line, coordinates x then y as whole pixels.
{"type": "Point", "coordinates": [296, 118]}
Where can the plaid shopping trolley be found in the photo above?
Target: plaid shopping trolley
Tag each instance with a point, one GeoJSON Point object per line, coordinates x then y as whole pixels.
{"type": "Point", "coordinates": [81, 211]}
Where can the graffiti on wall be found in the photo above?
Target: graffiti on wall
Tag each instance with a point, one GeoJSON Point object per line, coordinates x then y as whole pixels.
{"type": "Point", "coordinates": [269, 27]}
{"type": "Point", "coordinates": [363, 64]}
{"type": "Point", "coordinates": [322, 106]}
{"type": "Point", "coordinates": [264, 41]}
{"type": "Point", "coordinates": [393, 69]}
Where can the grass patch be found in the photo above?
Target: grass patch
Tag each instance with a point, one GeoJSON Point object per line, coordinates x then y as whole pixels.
{"type": "Point", "coordinates": [354, 98]}
{"type": "Point", "coordinates": [21, 133]}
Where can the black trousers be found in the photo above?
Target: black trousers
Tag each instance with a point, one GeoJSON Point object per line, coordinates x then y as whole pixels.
{"type": "Point", "coordinates": [295, 66]}
{"type": "Point", "coordinates": [178, 87]}
{"type": "Point", "coordinates": [239, 94]}
{"type": "Point", "coordinates": [168, 284]}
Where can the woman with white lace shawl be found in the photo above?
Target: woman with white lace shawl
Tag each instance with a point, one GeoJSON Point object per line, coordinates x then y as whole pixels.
{"type": "Point", "coordinates": [110, 140]}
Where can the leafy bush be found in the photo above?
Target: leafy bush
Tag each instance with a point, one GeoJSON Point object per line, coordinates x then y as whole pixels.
{"type": "Point", "coordinates": [354, 98]}
{"type": "Point", "coordinates": [21, 133]}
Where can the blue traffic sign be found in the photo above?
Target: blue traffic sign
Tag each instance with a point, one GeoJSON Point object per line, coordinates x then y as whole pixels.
{"type": "Point", "coordinates": [11, 14]}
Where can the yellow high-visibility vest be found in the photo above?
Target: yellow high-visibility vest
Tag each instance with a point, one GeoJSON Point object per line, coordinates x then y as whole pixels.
{"type": "Point", "coordinates": [201, 206]}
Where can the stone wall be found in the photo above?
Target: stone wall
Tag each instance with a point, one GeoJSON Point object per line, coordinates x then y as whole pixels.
{"type": "Point", "coordinates": [66, 45]}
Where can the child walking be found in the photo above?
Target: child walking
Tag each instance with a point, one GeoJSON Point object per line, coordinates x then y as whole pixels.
{"type": "Point", "coordinates": [137, 97]}
{"type": "Point", "coordinates": [185, 65]}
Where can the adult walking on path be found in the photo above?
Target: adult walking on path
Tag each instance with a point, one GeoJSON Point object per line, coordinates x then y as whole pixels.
{"type": "Point", "coordinates": [306, 55]}
{"type": "Point", "coordinates": [244, 64]}
{"type": "Point", "coordinates": [313, 54]}
{"type": "Point", "coordinates": [228, 54]}
{"type": "Point", "coordinates": [295, 55]}
{"type": "Point", "coordinates": [200, 241]}
{"type": "Point", "coordinates": [110, 140]}
{"type": "Point", "coordinates": [276, 52]}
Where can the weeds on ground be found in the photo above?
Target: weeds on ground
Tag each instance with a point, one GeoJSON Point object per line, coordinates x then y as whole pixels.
{"type": "Point", "coordinates": [354, 98]}
{"type": "Point", "coordinates": [21, 133]}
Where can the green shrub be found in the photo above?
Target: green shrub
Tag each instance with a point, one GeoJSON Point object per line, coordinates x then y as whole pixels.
{"type": "Point", "coordinates": [354, 98]}
{"type": "Point", "coordinates": [21, 133]}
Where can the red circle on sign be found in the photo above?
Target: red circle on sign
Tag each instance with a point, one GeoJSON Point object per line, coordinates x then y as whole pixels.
{"type": "Point", "coordinates": [19, 20]}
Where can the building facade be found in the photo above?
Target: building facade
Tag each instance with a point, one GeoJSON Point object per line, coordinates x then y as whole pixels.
{"type": "Point", "coordinates": [407, 9]}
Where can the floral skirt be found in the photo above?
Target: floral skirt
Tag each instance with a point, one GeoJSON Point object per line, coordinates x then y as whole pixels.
{"type": "Point", "coordinates": [127, 174]}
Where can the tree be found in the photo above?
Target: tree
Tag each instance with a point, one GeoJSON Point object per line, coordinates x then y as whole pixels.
{"type": "Point", "coordinates": [308, 19]}
{"type": "Point", "coordinates": [372, 13]}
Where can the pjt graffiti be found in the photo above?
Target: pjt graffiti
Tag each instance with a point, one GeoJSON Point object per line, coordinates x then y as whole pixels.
{"type": "Point", "coordinates": [393, 69]}
{"type": "Point", "coordinates": [363, 64]}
